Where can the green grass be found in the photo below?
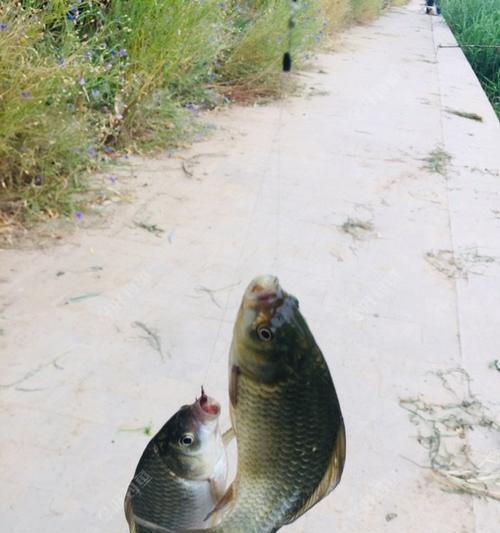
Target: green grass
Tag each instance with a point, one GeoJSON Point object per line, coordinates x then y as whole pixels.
{"type": "Point", "coordinates": [44, 129]}
{"type": "Point", "coordinates": [477, 22]}
{"type": "Point", "coordinates": [83, 80]}
{"type": "Point", "coordinates": [365, 10]}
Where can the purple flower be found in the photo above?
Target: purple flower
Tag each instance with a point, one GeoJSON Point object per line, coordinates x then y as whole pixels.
{"type": "Point", "coordinates": [91, 151]}
{"type": "Point", "coordinates": [81, 81]}
{"type": "Point", "coordinates": [112, 179]}
{"type": "Point", "coordinates": [107, 66]}
{"type": "Point", "coordinates": [88, 54]}
{"type": "Point", "coordinates": [25, 94]}
{"type": "Point", "coordinates": [3, 26]}
{"type": "Point", "coordinates": [114, 53]}
{"type": "Point", "coordinates": [72, 13]}
{"type": "Point", "coordinates": [60, 60]}
{"type": "Point", "coordinates": [38, 180]}
{"type": "Point", "coordinates": [192, 107]}
{"type": "Point", "coordinates": [78, 215]}
{"type": "Point", "coordinates": [122, 52]}
{"type": "Point", "coordinates": [108, 149]}
{"type": "Point", "coordinates": [95, 93]}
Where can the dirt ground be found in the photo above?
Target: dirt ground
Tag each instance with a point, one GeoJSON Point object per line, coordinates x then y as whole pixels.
{"type": "Point", "coordinates": [375, 204]}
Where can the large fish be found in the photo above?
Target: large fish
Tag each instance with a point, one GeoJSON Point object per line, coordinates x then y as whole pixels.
{"type": "Point", "coordinates": [285, 414]}
{"type": "Point", "coordinates": [181, 474]}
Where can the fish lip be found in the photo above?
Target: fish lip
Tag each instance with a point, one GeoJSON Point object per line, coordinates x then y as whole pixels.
{"type": "Point", "coordinates": [263, 290]}
{"type": "Point", "coordinates": [207, 407]}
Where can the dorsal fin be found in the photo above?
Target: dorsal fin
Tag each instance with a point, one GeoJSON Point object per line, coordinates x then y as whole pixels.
{"type": "Point", "coordinates": [331, 477]}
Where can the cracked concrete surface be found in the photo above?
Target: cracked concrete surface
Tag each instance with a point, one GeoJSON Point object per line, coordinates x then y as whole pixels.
{"type": "Point", "coordinates": [269, 192]}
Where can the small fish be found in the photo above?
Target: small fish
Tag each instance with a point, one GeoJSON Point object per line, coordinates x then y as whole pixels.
{"type": "Point", "coordinates": [181, 474]}
{"type": "Point", "coordinates": [285, 414]}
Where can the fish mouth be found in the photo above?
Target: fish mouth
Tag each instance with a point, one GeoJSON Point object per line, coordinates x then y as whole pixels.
{"type": "Point", "coordinates": [208, 405]}
{"type": "Point", "coordinates": [263, 290]}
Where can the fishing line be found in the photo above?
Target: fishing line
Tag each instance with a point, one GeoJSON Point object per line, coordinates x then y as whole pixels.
{"type": "Point", "coordinates": [274, 141]}
{"type": "Point", "coordinates": [236, 282]}
{"type": "Point", "coordinates": [495, 46]}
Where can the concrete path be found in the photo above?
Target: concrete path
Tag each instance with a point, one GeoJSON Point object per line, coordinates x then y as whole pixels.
{"type": "Point", "coordinates": [414, 289]}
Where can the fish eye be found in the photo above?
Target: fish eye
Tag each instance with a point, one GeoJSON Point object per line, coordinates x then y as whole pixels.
{"type": "Point", "coordinates": [264, 334]}
{"type": "Point", "coordinates": [187, 439]}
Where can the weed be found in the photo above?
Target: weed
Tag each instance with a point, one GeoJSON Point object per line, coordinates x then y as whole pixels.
{"type": "Point", "coordinates": [146, 430]}
{"type": "Point", "coordinates": [44, 127]}
{"type": "Point", "coordinates": [151, 228]}
{"type": "Point", "coordinates": [357, 229]}
{"type": "Point", "coordinates": [477, 22]}
{"type": "Point", "coordinates": [465, 114]}
{"type": "Point", "coordinates": [82, 297]}
{"type": "Point", "coordinates": [152, 337]}
{"type": "Point", "coordinates": [444, 429]}
{"type": "Point", "coordinates": [437, 161]}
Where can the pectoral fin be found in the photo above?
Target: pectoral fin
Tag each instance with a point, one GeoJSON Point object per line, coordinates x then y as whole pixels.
{"type": "Point", "coordinates": [223, 502]}
{"type": "Point", "coordinates": [129, 514]}
{"type": "Point", "coordinates": [228, 436]}
{"type": "Point", "coordinates": [233, 385]}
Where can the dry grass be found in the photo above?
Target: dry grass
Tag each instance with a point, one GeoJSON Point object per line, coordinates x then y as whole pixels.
{"type": "Point", "coordinates": [357, 229]}
{"type": "Point", "coordinates": [437, 161]}
{"type": "Point", "coordinates": [465, 114]}
{"type": "Point", "coordinates": [444, 430]}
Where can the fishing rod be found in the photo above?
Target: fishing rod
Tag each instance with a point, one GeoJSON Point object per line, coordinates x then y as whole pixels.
{"type": "Point", "coordinates": [287, 56]}
{"type": "Point", "coordinates": [469, 46]}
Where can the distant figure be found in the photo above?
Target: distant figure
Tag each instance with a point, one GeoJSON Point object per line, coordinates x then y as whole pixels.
{"type": "Point", "coordinates": [432, 7]}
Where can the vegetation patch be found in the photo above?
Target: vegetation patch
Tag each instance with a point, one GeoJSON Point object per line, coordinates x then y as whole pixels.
{"type": "Point", "coordinates": [437, 161]}
{"type": "Point", "coordinates": [476, 25]}
{"type": "Point", "coordinates": [459, 434]}
{"type": "Point", "coordinates": [357, 229]}
{"type": "Point", "coordinates": [83, 82]}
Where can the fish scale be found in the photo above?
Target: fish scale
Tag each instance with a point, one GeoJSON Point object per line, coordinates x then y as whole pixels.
{"type": "Point", "coordinates": [170, 500]}
{"type": "Point", "coordinates": [181, 474]}
{"type": "Point", "coordinates": [285, 413]}
{"type": "Point", "coordinates": [289, 474]}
